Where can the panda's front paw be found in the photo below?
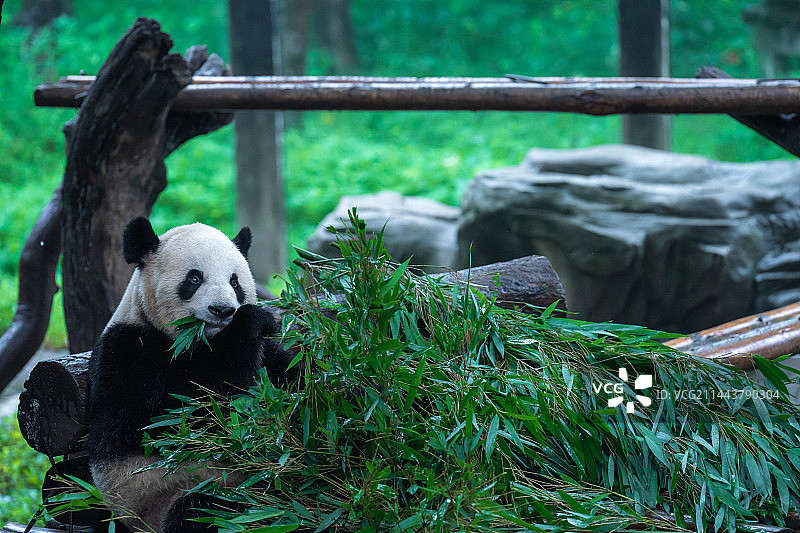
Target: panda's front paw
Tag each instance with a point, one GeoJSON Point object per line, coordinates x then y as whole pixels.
{"type": "Point", "coordinates": [254, 321]}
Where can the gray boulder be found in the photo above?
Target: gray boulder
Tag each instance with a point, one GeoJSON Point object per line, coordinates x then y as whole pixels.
{"type": "Point", "coordinates": [418, 227]}
{"type": "Point", "coordinates": [670, 241]}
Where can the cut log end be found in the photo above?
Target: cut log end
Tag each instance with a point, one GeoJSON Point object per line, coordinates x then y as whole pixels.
{"type": "Point", "coordinates": [53, 406]}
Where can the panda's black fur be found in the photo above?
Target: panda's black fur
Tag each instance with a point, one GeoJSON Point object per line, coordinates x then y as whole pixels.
{"type": "Point", "coordinates": [133, 374]}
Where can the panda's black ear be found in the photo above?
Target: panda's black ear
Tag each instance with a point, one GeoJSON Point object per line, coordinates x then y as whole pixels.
{"type": "Point", "coordinates": [138, 240]}
{"type": "Point", "coordinates": [243, 240]}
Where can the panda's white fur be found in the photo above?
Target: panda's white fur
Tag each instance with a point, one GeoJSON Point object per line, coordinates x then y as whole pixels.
{"type": "Point", "coordinates": [189, 270]}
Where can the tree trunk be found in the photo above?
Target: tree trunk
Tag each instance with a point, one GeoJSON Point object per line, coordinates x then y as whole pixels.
{"type": "Point", "coordinates": [295, 18]}
{"type": "Point", "coordinates": [335, 28]}
{"type": "Point", "coordinates": [259, 181]}
{"type": "Point", "coordinates": [38, 13]}
{"type": "Point", "coordinates": [115, 170]}
{"type": "Point", "coordinates": [644, 51]}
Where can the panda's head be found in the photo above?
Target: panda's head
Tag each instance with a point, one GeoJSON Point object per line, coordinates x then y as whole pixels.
{"type": "Point", "coordinates": [189, 270]}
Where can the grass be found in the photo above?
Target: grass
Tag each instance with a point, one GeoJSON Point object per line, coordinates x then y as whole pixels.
{"type": "Point", "coordinates": [424, 407]}
{"type": "Point", "coordinates": [21, 474]}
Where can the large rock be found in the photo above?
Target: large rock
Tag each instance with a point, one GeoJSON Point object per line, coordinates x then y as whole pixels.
{"type": "Point", "coordinates": [642, 236]}
{"type": "Point", "coordinates": [418, 227]}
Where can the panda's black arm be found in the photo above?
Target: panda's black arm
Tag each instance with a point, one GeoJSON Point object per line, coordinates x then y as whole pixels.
{"type": "Point", "coordinates": [248, 340]}
{"type": "Point", "coordinates": [127, 388]}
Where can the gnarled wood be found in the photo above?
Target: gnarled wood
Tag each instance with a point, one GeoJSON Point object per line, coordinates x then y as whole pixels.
{"type": "Point", "coordinates": [782, 129]}
{"type": "Point", "coordinates": [115, 168]}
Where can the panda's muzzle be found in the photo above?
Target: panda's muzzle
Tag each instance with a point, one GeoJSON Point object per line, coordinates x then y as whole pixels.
{"type": "Point", "coordinates": [221, 312]}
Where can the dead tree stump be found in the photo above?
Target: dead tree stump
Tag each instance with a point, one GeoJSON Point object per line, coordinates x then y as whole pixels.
{"type": "Point", "coordinates": [115, 167]}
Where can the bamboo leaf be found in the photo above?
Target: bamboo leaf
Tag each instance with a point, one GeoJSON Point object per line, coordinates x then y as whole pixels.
{"type": "Point", "coordinates": [763, 414]}
{"type": "Point", "coordinates": [491, 435]}
{"type": "Point", "coordinates": [329, 520]}
{"type": "Point", "coordinates": [398, 273]}
{"type": "Point", "coordinates": [410, 522]}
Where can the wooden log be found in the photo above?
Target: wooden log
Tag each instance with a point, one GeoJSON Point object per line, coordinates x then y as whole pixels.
{"type": "Point", "coordinates": [528, 280]}
{"type": "Point", "coordinates": [53, 405]}
{"type": "Point", "coordinates": [592, 96]}
{"type": "Point", "coordinates": [769, 334]}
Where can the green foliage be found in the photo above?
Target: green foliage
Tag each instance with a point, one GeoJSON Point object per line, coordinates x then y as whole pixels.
{"type": "Point", "coordinates": [426, 407]}
{"type": "Point", "coordinates": [21, 473]}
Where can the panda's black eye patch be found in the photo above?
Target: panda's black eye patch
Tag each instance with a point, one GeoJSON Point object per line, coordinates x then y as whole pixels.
{"type": "Point", "coordinates": [190, 284]}
{"type": "Point", "coordinates": [237, 288]}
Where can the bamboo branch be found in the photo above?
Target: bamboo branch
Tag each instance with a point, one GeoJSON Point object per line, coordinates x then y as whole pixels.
{"type": "Point", "coordinates": [592, 96]}
{"type": "Point", "coordinates": [53, 405]}
{"type": "Point", "coordinates": [770, 335]}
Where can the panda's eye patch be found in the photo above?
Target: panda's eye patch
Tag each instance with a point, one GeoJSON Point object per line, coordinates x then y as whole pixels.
{"type": "Point", "coordinates": [190, 284]}
{"type": "Point", "coordinates": [237, 288]}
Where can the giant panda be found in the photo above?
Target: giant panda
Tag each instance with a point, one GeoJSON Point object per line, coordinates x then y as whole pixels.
{"type": "Point", "coordinates": [189, 270]}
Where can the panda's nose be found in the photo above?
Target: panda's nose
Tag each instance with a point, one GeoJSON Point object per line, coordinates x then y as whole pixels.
{"type": "Point", "coordinates": [220, 311]}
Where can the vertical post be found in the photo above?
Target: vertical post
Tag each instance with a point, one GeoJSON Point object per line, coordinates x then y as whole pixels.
{"type": "Point", "coordinates": [643, 35]}
{"type": "Point", "coordinates": [259, 181]}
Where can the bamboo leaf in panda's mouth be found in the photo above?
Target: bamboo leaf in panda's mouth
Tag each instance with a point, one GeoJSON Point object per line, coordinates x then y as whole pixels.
{"type": "Point", "coordinates": [190, 329]}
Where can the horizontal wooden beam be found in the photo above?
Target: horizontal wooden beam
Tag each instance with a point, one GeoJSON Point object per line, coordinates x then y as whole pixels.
{"type": "Point", "coordinates": [591, 96]}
